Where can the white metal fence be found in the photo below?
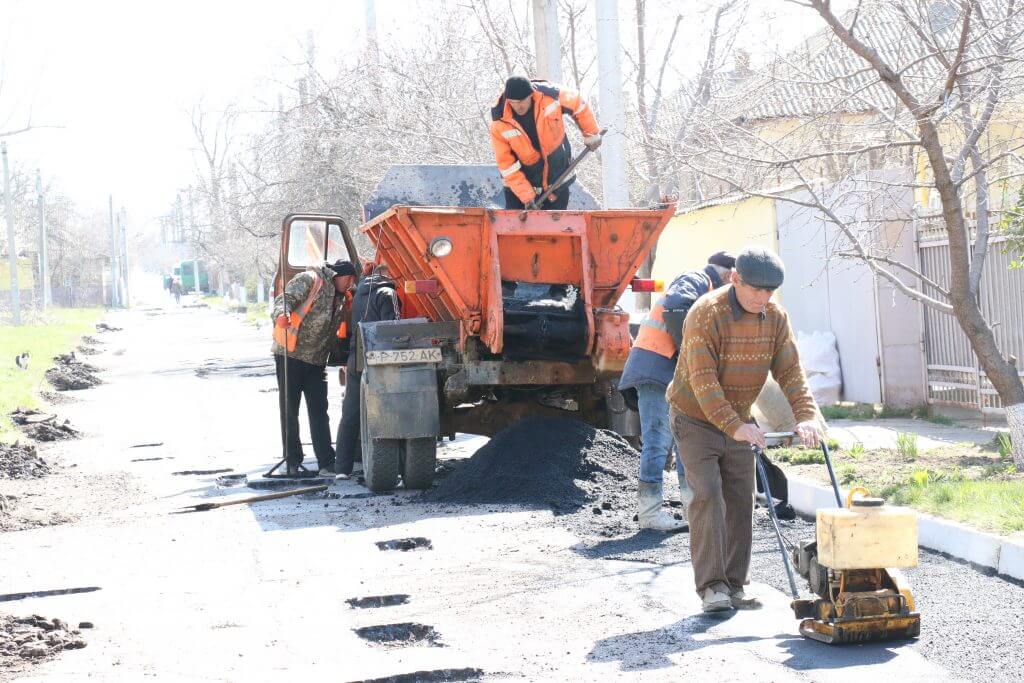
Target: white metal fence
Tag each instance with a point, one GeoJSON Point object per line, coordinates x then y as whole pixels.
{"type": "Point", "coordinates": [954, 376]}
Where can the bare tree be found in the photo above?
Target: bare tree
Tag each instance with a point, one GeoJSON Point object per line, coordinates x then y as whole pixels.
{"type": "Point", "coordinates": [926, 86]}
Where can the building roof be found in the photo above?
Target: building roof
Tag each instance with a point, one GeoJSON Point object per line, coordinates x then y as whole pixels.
{"type": "Point", "coordinates": [823, 76]}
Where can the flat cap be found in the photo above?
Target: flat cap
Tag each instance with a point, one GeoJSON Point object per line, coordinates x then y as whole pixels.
{"type": "Point", "coordinates": [760, 267]}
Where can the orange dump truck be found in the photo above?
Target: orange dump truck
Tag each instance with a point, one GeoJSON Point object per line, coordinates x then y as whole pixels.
{"type": "Point", "coordinates": [506, 314]}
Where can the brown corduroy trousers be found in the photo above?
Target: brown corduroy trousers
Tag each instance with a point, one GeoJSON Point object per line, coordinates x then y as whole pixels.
{"type": "Point", "coordinates": [720, 472]}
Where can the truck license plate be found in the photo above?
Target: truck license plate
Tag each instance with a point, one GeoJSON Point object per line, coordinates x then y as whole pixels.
{"type": "Point", "coordinates": [403, 356]}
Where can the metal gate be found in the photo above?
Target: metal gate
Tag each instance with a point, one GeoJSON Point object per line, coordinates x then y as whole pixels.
{"type": "Point", "coordinates": [953, 374]}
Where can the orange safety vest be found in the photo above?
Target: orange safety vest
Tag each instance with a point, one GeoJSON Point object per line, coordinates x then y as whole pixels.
{"type": "Point", "coordinates": [288, 337]}
{"type": "Point", "coordinates": [512, 147]}
{"type": "Point", "coordinates": [653, 334]}
{"type": "Point", "coordinates": [343, 327]}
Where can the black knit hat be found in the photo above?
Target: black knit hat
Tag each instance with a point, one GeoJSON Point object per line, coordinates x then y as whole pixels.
{"type": "Point", "coordinates": [760, 267]}
{"type": "Point", "coordinates": [518, 88]}
{"type": "Point", "coordinates": [723, 259]}
{"type": "Point", "coordinates": [342, 268]}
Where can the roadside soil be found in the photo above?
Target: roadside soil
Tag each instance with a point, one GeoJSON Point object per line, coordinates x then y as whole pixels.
{"type": "Point", "coordinates": [885, 466]}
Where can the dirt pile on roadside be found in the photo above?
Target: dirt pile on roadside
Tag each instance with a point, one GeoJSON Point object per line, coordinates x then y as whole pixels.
{"type": "Point", "coordinates": [586, 476]}
{"type": "Point", "coordinates": [42, 426]}
{"type": "Point", "coordinates": [19, 461]}
{"type": "Point", "coordinates": [71, 374]}
{"type": "Point", "coordinates": [35, 638]}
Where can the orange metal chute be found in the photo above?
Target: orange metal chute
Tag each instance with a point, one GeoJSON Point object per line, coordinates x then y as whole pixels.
{"type": "Point", "coordinates": [597, 251]}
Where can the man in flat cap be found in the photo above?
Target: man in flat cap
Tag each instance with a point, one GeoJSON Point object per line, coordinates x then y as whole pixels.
{"type": "Point", "coordinates": [529, 141]}
{"type": "Point", "coordinates": [648, 370]}
{"type": "Point", "coordinates": [732, 339]}
{"type": "Point", "coordinates": [306, 316]}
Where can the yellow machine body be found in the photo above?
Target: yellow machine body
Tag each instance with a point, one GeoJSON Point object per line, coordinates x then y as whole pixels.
{"type": "Point", "coordinates": [852, 566]}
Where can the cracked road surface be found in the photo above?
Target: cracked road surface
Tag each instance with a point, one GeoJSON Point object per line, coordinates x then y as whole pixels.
{"type": "Point", "coordinates": [283, 590]}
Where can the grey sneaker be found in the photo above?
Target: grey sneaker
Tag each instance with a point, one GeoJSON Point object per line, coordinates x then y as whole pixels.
{"type": "Point", "coordinates": [716, 601]}
{"type": "Point", "coordinates": [327, 472]}
{"type": "Point", "coordinates": [740, 600]}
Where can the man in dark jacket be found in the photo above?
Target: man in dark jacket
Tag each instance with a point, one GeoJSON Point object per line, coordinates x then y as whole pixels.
{"type": "Point", "coordinates": [649, 369]}
{"type": "Point", "coordinates": [308, 311]}
{"type": "Point", "coordinates": [375, 300]}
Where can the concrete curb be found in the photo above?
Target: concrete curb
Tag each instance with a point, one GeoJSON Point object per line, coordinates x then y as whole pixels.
{"type": "Point", "coordinates": [1002, 554]}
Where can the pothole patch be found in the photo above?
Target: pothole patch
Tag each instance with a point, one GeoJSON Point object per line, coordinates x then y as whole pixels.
{"type": "Point", "coordinates": [400, 635]}
{"type": "Point", "coordinates": [375, 601]}
{"type": "Point", "coordinates": [431, 676]}
{"type": "Point", "coordinates": [405, 544]}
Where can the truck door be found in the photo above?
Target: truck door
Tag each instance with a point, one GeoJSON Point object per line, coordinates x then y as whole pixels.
{"type": "Point", "coordinates": [309, 240]}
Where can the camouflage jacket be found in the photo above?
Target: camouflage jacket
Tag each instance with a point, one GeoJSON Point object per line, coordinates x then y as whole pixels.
{"type": "Point", "coordinates": [319, 329]}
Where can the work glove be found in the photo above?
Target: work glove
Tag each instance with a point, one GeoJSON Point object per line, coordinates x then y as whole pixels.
{"type": "Point", "coordinates": [283, 321]}
{"type": "Point", "coordinates": [592, 142]}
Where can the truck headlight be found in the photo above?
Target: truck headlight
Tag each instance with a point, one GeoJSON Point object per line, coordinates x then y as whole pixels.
{"type": "Point", "coordinates": [440, 247]}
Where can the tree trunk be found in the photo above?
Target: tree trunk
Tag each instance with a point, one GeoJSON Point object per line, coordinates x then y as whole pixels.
{"type": "Point", "coordinates": [1015, 419]}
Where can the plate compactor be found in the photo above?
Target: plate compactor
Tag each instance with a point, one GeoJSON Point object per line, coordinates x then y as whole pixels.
{"type": "Point", "coordinates": [852, 568]}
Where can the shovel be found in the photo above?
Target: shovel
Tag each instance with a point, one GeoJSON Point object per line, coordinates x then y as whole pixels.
{"type": "Point", "coordinates": [538, 201]}
{"type": "Point", "coordinates": [201, 507]}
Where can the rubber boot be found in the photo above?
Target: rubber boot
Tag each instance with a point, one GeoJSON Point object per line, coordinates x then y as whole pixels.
{"type": "Point", "coordinates": [650, 514]}
{"type": "Point", "coordinates": [685, 495]}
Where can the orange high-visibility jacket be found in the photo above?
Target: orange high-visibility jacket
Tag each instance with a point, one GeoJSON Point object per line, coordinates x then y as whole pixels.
{"type": "Point", "coordinates": [523, 168]}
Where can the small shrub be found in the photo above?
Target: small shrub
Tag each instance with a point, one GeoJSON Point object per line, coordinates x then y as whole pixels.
{"type": "Point", "coordinates": [1004, 444]}
{"type": "Point", "coordinates": [856, 450]}
{"type": "Point", "coordinates": [852, 411]}
{"type": "Point", "coordinates": [888, 411]}
{"type": "Point", "coordinates": [846, 473]}
{"type": "Point", "coordinates": [797, 455]}
{"type": "Point", "coordinates": [906, 445]}
{"type": "Point", "coordinates": [833, 445]}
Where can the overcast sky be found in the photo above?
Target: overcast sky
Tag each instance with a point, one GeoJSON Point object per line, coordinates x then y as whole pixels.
{"type": "Point", "coordinates": [118, 79]}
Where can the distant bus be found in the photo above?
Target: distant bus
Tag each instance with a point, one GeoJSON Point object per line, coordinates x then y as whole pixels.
{"type": "Point", "coordinates": [185, 272]}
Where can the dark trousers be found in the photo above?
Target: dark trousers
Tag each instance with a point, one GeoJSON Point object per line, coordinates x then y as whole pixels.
{"type": "Point", "coordinates": [310, 381]}
{"type": "Point", "coordinates": [348, 441]}
{"type": "Point", "coordinates": [558, 202]}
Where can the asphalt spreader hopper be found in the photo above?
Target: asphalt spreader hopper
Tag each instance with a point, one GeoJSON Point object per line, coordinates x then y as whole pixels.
{"type": "Point", "coordinates": [853, 568]}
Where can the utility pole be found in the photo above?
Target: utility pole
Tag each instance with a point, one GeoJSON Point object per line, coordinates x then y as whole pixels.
{"type": "Point", "coordinates": [113, 253]}
{"type": "Point", "coordinates": [12, 251]}
{"type": "Point", "coordinates": [609, 73]}
{"type": "Point", "coordinates": [44, 266]}
{"type": "Point", "coordinates": [547, 40]}
{"type": "Point", "coordinates": [124, 254]}
{"type": "Point", "coordinates": [195, 239]}
{"type": "Point", "coordinates": [371, 33]}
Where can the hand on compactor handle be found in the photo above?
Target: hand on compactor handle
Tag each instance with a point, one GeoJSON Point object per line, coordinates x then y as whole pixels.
{"type": "Point", "coordinates": [752, 434]}
{"type": "Point", "coordinates": [809, 433]}
{"type": "Point", "coordinates": [592, 142]}
{"type": "Point", "coordinates": [284, 321]}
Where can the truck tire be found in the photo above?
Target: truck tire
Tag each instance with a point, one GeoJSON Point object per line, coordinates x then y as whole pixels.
{"type": "Point", "coordinates": [381, 457]}
{"type": "Point", "coordinates": [419, 462]}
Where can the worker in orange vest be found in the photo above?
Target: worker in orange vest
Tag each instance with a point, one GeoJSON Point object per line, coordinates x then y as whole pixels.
{"type": "Point", "coordinates": [648, 371]}
{"type": "Point", "coordinates": [529, 141]}
{"type": "Point", "coordinates": [307, 315]}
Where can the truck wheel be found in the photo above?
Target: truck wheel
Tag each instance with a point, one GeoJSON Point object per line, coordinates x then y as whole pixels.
{"type": "Point", "coordinates": [380, 456]}
{"type": "Point", "coordinates": [419, 463]}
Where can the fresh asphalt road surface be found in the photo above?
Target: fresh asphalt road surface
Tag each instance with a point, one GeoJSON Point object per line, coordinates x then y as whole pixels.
{"type": "Point", "coordinates": [253, 593]}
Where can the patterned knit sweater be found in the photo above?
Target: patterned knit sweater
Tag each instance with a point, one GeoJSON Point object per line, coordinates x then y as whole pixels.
{"type": "Point", "coordinates": [726, 356]}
